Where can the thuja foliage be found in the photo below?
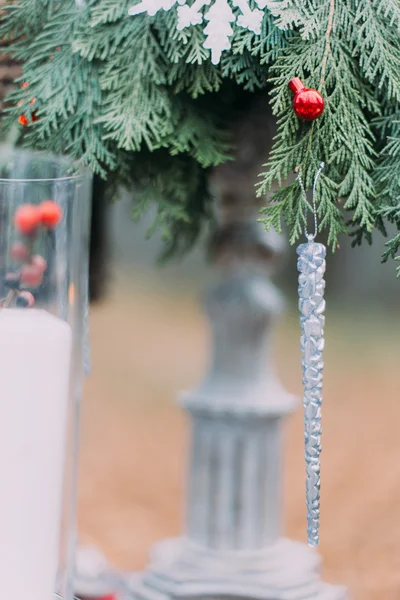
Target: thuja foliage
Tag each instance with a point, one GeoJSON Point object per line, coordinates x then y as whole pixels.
{"type": "Point", "coordinates": [387, 177]}
{"type": "Point", "coordinates": [142, 105]}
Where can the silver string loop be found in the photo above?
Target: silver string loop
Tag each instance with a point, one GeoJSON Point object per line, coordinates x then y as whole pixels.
{"type": "Point", "coordinates": [311, 236]}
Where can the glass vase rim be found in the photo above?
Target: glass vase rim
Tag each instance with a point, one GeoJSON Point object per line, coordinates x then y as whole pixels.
{"type": "Point", "coordinates": [83, 172]}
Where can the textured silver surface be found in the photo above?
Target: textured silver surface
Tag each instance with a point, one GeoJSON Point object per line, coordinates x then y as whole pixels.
{"type": "Point", "coordinates": [311, 265]}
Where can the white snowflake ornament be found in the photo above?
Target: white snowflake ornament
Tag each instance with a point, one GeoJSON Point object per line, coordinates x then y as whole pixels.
{"type": "Point", "coordinates": [220, 15]}
{"type": "Point", "coordinates": [151, 7]}
{"type": "Point", "coordinates": [249, 19]}
{"type": "Point", "coordinates": [219, 29]}
{"type": "Point", "coordinates": [190, 15]}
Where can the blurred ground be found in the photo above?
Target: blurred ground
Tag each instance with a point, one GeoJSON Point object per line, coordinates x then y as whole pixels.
{"type": "Point", "coordinates": [149, 340]}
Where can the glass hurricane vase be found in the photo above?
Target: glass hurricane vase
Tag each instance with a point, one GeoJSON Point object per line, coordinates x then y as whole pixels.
{"type": "Point", "coordinates": [44, 234]}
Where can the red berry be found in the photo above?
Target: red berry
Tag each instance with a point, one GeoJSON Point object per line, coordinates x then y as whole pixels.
{"type": "Point", "coordinates": [22, 119]}
{"type": "Point", "coordinates": [19, 252]}
{"type": "Point", "coordinates": [34, 116]}
{"type": "Point", "coordinates": [31, 275]}
{"type": "Point", "coordinates": [39, 262]}
{"type": "Point", "coordinates": [27, 219]}
{"type": "Point", "coordinates": [26, 299]}
{"type": "Point", "coordinates": [50, 213]}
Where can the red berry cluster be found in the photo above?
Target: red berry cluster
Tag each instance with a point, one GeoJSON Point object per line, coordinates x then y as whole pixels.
{"type": "Point", "coordinates": [23, 119]}
{"type": "Point", "coordinates": [28, 221]}
{"type": "Point", "coordinates": [29, 218]}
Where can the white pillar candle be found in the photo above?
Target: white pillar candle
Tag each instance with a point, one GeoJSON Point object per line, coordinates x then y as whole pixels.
{"type": "Point", "coordinates": [35, 349]}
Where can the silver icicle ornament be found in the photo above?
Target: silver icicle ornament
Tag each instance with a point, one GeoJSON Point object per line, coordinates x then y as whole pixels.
{"type": "Point", "coordinates": [311, 265]}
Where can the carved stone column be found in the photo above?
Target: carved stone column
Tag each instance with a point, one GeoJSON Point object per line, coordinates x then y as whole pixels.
{"type": "Point", "coordinates": [235, 471]}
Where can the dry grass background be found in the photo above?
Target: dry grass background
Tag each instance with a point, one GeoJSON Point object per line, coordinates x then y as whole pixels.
{"type": "Point", "coordinates": [149, 342]}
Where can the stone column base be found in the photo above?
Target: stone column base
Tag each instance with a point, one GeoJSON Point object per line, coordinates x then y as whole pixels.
{"type": "Point", "coordinates": [94, 578]}
{"type": "Point", "coordinates": [286, 570]}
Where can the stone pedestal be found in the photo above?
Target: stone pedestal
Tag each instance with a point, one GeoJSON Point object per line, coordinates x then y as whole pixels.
{"type": "Point", "coordinates": [94, 577]}
{"type": "Point", "coordinates": [284, 570]}
{"type": "Point", "coordinates": [231, 545]}
{"type": "Point", "coordinates": [234, 472]}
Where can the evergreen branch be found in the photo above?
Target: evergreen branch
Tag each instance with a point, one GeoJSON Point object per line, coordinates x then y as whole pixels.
{"type": "Point", "coordinates": [109, 11]}
{"type": "Point", "coordinates": [137, 109]}
{"type": "Point", "coordinates": [196, 133]}
{"type": "Point", "coordinates": [141, 103]}
{"type": "Point", "coordinates": [390, 10]}
{"type": "Point", "coordinates": [328, 43]}
{"type": "Point", "coordinates": [342, 137]}
{"type": "Point", "coordinates": [377, 47]}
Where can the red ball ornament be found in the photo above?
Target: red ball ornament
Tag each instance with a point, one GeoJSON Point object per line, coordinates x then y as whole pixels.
{"type": "Point", "coordinates": [308, 104]}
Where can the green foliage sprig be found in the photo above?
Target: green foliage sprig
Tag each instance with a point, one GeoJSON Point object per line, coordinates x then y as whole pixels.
{"type": "Point", "coordinates": [141, 104]}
